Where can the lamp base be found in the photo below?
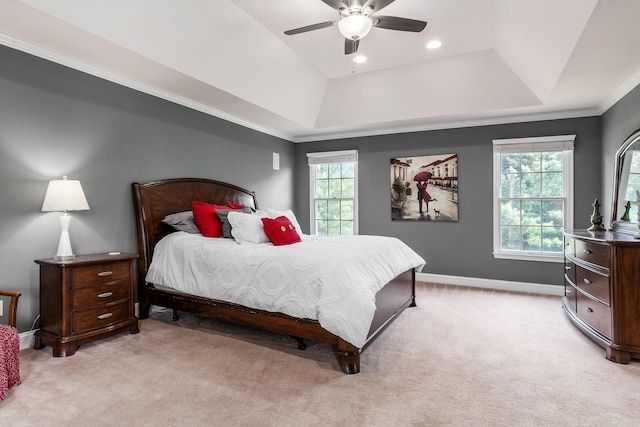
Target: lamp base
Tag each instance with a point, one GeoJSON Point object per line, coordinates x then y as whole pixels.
{"type": "Point", "coordinates": [65, 252]}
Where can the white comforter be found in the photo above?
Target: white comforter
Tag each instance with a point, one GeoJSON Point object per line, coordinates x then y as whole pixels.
{"type": "Point", "coordinates": [331, 279]}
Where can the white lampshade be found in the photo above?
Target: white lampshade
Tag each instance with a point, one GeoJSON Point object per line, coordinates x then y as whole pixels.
{"type": "Point", "coordinates": [62, 196]}
{"type": "Point", "coordinates": [355, 27]}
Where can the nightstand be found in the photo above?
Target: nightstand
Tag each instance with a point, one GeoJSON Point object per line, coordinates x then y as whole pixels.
{"type": "Point", "coordinates": [85, 299]}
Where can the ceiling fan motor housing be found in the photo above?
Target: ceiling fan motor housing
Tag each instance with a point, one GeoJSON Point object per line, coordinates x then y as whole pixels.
{"type": "Point", "coordinates": [355, 26]}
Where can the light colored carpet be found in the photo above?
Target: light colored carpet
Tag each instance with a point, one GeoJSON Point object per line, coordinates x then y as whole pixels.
{"type": "Point", "coordinates": [464, 356]}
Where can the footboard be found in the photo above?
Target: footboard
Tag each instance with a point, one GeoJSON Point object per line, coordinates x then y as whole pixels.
{"type": "Point", "coordinates": [391, 300]}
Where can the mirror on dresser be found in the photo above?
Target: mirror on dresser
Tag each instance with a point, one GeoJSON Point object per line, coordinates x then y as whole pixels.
{"type": "Point", "coordinates": [624, 214]}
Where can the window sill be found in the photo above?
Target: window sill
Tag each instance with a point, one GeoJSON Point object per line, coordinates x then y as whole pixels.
{"type": "Point", "coordinates": [530, 256]}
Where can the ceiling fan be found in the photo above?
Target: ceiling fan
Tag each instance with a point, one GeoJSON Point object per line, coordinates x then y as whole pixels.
{"type": "Point", "coordinates": [357, 18]}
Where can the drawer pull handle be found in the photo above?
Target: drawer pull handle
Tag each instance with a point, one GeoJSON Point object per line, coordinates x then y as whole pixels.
{"type": "Point", "coordinates": [589, 309]}
{"type": "Point", "coordinates": [105, 273]}
{"type": "Point", "coordinates": [105, 316]}
{"type": "Point", "coordinates": [566, 267]}
{"type": "Point", "coordinates": [587, 281]}
{"type": "Point", "coordinates": [105, 295]}
{"type": "Point", "coordinates": [586, 251]}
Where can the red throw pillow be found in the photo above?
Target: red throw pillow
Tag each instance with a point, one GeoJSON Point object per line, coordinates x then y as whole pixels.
{"type": "Point", "coordinates": [280, 231]}
{"type": "Point", "coordinates": [235, 205]}
{"type": "Point", "coordinates": [204, 214]}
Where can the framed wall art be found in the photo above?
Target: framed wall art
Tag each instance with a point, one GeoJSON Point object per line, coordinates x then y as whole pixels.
{"type": "Point", "coordinates": [424, 188]}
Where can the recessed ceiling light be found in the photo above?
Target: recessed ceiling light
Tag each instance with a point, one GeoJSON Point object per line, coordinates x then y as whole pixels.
{"type": "Point", "coordinates": [434, 44]}
{"type": "Point", "coordinates": [360, 59]}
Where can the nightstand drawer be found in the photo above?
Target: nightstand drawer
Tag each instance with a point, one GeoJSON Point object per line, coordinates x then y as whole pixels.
{"type": "Point", "coordinates": [593, 253]}
{"type": "Point", "coordinates": [593, 284]}
{"type": "Point", "coordinates": [100, 317]}
{"type": "Point", "coordinates": [100, 295]}
{"type": "Point", "coordinates": [596, 314]}
{"type": "Point", "coordinates": [100, 273]}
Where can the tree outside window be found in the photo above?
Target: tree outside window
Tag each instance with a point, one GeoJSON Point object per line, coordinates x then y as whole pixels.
{"type": "Point", "coordinates": [333, 188]}
{"type": "Point", "coordinates": [533, 196]}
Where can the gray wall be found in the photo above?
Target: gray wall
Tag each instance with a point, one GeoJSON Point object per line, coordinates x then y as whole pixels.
{"type": "Point", "coordinates": [55, 121]}
{"type": "Point", "coordinates": [462, 248]}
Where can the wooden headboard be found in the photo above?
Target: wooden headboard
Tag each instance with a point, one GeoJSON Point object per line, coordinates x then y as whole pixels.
{"type": "Point", "coordinates": [154, 200]}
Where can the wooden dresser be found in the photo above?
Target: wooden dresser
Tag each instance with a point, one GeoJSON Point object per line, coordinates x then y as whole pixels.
{"type": "Point", "coordinates": [85, 299]}
{"type": "Point", "coordinates": [602, 289]}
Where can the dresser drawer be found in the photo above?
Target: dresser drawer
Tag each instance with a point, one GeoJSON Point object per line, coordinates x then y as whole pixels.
{"type": "Point", "coordinates": [570, 294]}
{"type": "Point", "coordinates": [100, 295]}
{"type": "Point", "coordinates": [593, 253]}
{"type": "Point", "coordinates": [596, 314]}
{"type": "Point", "coordinates": [570, 270]}
{"type": "Point", "coordinates": [569, 246]}
{"type": "Point", "coordinates": [99, 273]}
{"type": "Point", "coordinates": [593, 284]}
{"type": "Point", "coordinates": [99, 317]}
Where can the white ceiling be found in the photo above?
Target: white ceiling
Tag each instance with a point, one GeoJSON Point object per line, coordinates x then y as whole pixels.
{"type": "Point", "coordinates": [501, 60]}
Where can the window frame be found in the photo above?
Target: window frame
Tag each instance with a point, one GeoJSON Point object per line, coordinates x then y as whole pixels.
{"type": "Point", "coordinates": [560, 143]}
{"type": "Point", "coordinates": [326, 158]}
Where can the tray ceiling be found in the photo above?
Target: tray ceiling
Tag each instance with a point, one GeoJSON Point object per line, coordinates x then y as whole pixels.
{"type": "Point", "coordinates": [501, 60]}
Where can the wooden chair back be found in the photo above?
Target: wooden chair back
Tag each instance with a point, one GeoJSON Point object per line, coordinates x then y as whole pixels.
{"type": "Point", "coordinates": [12, 312]}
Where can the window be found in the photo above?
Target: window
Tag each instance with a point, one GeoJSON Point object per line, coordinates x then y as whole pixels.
{"type": "Point", "coordinates": [333, 182]}
{"type": "Point", "coordinates": [533, 197]}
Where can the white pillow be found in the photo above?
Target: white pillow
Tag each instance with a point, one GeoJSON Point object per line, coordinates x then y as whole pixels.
{"type": "Point", "coordinates": [273, 213]}
{"type": "Point", "coordinates": [247, 228]}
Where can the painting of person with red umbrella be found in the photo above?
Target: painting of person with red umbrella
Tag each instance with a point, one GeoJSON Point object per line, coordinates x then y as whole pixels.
{"type": "Point", "coordinates": [423, 195]}
{"type": "Point", "coordinates": [435, 182]}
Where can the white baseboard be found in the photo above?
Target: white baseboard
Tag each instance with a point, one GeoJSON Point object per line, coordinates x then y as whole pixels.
{"type": "Point", "coordinates": [502, 285]}
{"type": "Point", "coordinates": [27, 339]}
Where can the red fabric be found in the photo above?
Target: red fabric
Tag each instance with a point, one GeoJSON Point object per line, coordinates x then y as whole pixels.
{"type": "Point", "coordinates": [204, 214]}
{"type": "Point", "coordinates": [235, 205]}
{"type": "Point", "coordinates": [9, 359]}
{"type": "Point", "coordinates": [425, 194]}
{"type": "Point", "coordinates": [280, 231]}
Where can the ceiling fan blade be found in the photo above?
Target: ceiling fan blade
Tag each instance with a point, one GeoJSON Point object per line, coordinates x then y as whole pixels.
{"type": "Point", "coordinates": [377, 5]}
{"type": "Point", "coordinates": [351, 46]}
{"type": "Point", "coordinates": [400, 24]}
{"type": "Point", "coordinates": [309, 28]}
{"type": "Point", "coordinates": [336, 4]}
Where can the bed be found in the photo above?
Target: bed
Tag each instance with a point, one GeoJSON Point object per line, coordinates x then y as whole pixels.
{"type": "Point", "coordinates": [154, 200]}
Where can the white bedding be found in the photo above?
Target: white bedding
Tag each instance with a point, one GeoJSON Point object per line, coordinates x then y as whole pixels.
{"type": "Point", "coordinates": [331, 279]}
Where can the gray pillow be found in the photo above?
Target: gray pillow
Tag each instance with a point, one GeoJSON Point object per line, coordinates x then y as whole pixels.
{"type": "Point", "coordinates": [182, 221]}
{"type": "Point", "coordinates": [226, 226]}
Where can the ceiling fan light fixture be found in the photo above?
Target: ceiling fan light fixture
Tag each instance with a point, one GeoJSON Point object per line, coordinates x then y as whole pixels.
{"type": "Point", "coordinates": [355, 26]}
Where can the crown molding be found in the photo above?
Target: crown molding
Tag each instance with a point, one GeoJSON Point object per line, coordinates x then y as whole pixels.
{"type": "Point", "coordinates": [454, 124]}
{"type": "Point", "coordinates": [620, 93]}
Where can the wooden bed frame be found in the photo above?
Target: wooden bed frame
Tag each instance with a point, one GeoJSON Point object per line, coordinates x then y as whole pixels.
{"type": "Point", "coordinates": [154, 200]}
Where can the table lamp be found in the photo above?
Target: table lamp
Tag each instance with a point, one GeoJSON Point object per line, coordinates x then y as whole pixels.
{"type": "Point", "coordinates": [62, 196]}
